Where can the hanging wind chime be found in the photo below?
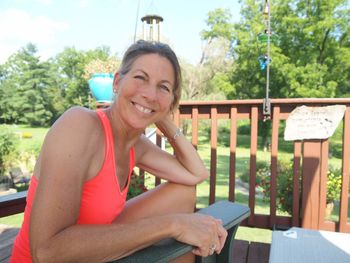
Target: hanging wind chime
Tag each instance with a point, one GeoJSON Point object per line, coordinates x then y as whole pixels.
{"type": "Point", "coordinates": [265, 59]}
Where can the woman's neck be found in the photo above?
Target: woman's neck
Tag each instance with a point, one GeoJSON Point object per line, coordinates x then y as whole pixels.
{"type": "Point", "coordinates": [124, 136]}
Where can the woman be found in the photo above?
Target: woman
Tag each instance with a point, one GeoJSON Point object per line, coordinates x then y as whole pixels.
{"type": "Point", "coordinates": [76, 210]}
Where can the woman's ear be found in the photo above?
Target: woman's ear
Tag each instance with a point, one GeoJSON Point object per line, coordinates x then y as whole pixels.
{"type": "Point", "coordinates": [116, 82]}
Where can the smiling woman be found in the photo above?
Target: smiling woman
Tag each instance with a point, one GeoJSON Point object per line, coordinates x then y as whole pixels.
{"type": "Point", "coordinates": [81, 179]}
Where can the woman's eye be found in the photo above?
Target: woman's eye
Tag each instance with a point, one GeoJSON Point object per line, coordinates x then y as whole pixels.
{"type": "Point", "coordinates": [139, 77]}
{"type": "Point", "coordinates": [165, 88]}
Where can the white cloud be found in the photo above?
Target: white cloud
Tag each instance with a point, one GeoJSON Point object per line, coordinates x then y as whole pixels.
{"type": "Point", "coordinates": [18, 27]}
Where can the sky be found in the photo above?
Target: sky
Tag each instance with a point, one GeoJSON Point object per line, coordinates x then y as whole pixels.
{"type": "Point", "coordinates": [53, 25]}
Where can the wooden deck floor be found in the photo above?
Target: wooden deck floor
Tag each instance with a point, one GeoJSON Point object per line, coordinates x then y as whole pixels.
{"type": "Point", "coordinates": [250, 252]}
{"type": "Point", "coordinates": [7, 237]}
{"type": "Point", "coordinates": [244, 251]}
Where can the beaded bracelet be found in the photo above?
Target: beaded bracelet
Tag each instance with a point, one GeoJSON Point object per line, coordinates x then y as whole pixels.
{"type": "Point", "coordinates": [177, 134]}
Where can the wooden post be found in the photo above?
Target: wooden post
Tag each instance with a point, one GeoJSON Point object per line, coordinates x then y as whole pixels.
{"type": "Point", "coordinates": [296, 179]}
{"type": "Point", "coordinates": [253, 151]}
{"type": "Point", "coordinates": [344, 226]}
{"type": "Point", "coordinates": [274, 162]}
{"type": "Point", "coordinates": [213, 153]}
{"type": "Point", "coordinates": [311, 184]}
{"type": "Point", "coordinates": [233, 145]}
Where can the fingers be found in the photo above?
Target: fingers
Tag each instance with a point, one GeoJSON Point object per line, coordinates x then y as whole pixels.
{"type": "Point", "coordinates": [216, 239]}
{"type": "Point", "coordinates": [205, 233]}
{"type": "Point", "coordinates": [222, 235]}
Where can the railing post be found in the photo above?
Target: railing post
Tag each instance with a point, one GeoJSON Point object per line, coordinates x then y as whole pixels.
{"type": "Point", "coordinates": [311, 184]}
{"type": "Point", "coordinates": [344, 226]}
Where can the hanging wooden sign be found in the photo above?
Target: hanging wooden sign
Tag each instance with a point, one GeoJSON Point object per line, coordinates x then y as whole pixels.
{"type": "Point", "coordinates": [313, 122]}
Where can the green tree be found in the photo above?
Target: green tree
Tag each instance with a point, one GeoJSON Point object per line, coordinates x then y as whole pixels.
{"type": "Point", "coordinates": [315, 40]}
{"type": "Point", "coordinates": [208, 79]}
{"type": "Point", "coordinates": [70, 70]}
{"type": "Point", "coordinates": [24, 95]}
{"type": "Point", "coordinates": [310, 59]}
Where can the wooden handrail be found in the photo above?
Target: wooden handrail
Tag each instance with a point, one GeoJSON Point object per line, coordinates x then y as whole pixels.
{"type": "Point", "coordinates": [12, 204]}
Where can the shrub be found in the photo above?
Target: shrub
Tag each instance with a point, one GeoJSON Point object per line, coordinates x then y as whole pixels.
{"type": "Point", "coordinates": [285, 184]}
{"type": "Point", "coordinates": [333, 185]}
{"type": "Point", "coordinates": [262, 171]}
{"type": "Point", "coordinates": [8, 146]}
{"type": "Point", "coordinates": [284, 193]}
{"type": "Point", "coordinates": [136, 186]}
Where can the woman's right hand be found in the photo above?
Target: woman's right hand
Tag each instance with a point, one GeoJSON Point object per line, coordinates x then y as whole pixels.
{"type": "Point", "coordinates": [205, 233]}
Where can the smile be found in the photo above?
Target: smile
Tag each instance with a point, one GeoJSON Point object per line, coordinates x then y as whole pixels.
{"type": "Point", "coordinates": [142, 109]}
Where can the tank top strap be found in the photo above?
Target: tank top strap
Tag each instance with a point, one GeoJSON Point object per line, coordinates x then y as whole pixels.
{"type": "Point", "coordinates": [109, 151]}
{"type": "Point", "coordinates": [107, 131]}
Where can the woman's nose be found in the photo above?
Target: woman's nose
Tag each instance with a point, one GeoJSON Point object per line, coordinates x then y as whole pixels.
{"type": "Point", "coordinates": [149, 92]}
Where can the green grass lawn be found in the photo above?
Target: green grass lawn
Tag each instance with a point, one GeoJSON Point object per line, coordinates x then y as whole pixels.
{"type": "Point", "coordinates": [14, 220]}
{"type": "Point", "coordinates": [36, 140]}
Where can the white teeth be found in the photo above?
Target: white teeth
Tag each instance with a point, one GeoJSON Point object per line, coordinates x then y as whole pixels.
{"type": "Point", "coordinates": [142, 109]}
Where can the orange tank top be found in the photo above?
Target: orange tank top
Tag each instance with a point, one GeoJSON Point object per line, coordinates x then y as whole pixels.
{"type": "Point", "coordinates": [101, 202]}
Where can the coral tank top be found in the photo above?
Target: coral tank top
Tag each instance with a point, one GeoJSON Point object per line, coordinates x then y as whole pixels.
{"type": "Point", "coordinates": [101, 202]}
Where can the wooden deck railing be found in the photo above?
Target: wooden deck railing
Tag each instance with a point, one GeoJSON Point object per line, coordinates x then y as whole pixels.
{"type": "Point", "coordinates": [310, 161]}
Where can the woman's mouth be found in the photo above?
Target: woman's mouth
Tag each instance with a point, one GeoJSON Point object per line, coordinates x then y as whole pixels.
{"type": "Point", "coordinates": [142, 108]}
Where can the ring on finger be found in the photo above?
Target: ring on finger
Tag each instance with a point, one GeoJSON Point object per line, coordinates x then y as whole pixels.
{"type": "Point", "coordinates": [212, 249]}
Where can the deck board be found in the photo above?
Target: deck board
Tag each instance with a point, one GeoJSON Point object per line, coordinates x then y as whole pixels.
{"type": "Point", "coordinates": [258, 252]}
{"type": "Point", "coordinates": [240, 251]}
{"type": "Point", "coordinates": [7, 237]}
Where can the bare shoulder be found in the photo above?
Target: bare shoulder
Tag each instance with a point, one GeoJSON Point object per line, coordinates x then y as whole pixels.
{"type": "Point", "coordinates": [78, 126]}
{"type": "Point", "coordinates": [76, 134]}
{"type": "Point", "coordinates": [77, 117]}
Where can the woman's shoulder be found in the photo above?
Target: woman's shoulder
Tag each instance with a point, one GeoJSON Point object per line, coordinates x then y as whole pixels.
{"type": "Point", "coordinates": [79, 112]}
{"type": "Point", "coordinates": [75, 125]}
{"type": "Point", "coordinates": [77, 118]}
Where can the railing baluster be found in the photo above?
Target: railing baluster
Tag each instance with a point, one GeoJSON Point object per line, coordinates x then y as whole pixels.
{"type": "Point", "coordinates": [296, 184]}
{"type": "Point", "coordinates": [274, 152]}
{"type": "Point", "coordinates": [195, 126]}
{"type": "Point", "coordinates": [233, 145]}
{"type": "Point", "coordinates": [323, 184]}
{"type": "Point", "coordinates": [253, 150]}
{"type": "Point", "coordinates": [344, 226]}
{"type": "Point", "coordinates": [213, 152]}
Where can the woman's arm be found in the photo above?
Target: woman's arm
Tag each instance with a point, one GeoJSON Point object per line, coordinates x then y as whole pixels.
{"type": "Point", "coordinates": [184, 167]}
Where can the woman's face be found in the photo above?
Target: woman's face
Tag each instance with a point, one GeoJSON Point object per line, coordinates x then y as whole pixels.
{"type": "Point", "coordinates": [145, 93]}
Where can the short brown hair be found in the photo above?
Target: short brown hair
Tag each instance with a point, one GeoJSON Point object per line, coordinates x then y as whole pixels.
{"type": "Point", "coordinates": [143, 47]}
